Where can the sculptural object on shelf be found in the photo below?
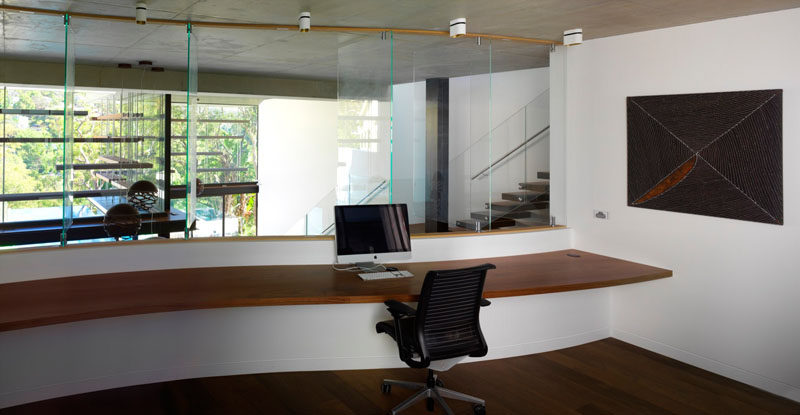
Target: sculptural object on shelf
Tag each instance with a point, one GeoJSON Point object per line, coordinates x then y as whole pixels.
{"type": "Point", "coordinates": [122, 220]}
{"type": "Point", "coordinates": [143, 195]}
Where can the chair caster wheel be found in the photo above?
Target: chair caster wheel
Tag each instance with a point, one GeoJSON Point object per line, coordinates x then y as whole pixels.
{"type": "Point", "coordinates": [386, 388]}
{"type": "Point", "coordinates": [479, 409]}
{"type": "Point", "coordinates": [439, 383]}
{"type": "Point", "coordinates": [429, 404]}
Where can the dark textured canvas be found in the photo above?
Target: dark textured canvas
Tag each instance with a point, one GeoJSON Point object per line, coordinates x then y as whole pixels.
{"type": "Point", "coordinates": [715, 154]}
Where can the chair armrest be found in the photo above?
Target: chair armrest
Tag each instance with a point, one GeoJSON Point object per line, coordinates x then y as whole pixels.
{"type": "Point", "coordinates": [485, 302]}
{"type": "Point", "coordinates": [398, 309]}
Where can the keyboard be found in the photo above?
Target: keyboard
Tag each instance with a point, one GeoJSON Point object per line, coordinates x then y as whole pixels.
{"type": "Point", "coordinates": [369, 276]}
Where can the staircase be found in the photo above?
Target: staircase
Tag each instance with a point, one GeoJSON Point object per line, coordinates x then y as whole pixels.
{"type": "Point", "coordinates": [529, 206]}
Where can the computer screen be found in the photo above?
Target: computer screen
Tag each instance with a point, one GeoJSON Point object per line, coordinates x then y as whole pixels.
{"type": "Point", "coordinates": [372, 233]}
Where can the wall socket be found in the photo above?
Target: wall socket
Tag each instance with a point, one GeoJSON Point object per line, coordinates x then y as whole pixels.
{"type": "Point", "coordinates": [601, 214]}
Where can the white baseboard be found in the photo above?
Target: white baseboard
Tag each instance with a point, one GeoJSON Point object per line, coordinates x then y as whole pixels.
{"type": "Point", "coordinates": [720, 368]}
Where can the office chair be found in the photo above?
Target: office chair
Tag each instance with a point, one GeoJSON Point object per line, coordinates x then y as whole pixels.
{"type": "Point", "coordinates": [443, 330]}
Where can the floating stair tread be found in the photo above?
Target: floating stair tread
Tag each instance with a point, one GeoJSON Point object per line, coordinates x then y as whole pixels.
{"type": "Point", "coordinates": [507, 205]}
{"type": "Point", "coordinates": [475, 224]}
{"type": "Point", "coordinates": [535, 186]}
{"type": "Point", "coordinates": [15, 111]}
{"type": "Point", "coordinates": [484, 214]}
{"type": "Point", "coordinates": [525, 196]}
{"type": "Point", "coordinates": [533, 222]}
{"type": "Point", "coordinates": [545, 175]}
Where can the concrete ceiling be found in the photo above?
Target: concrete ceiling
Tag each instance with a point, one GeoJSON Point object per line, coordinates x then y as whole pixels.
{"type": "Point", "coordinates": [319, 55]}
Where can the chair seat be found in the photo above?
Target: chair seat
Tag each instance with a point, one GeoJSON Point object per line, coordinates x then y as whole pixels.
{"type": "Point", "coordinates": [408, 330]}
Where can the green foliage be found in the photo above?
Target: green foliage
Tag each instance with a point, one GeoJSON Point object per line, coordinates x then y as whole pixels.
{"type": "Point", "coordinates": [32, 167]}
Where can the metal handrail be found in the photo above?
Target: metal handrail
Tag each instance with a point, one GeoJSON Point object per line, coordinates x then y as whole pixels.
{"type": "Point", "coordinates": [512, 151]}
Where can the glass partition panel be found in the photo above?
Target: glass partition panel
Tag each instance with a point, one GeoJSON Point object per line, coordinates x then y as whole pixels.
{"type": "Point", "coordinates": [442, 113]}
{"type": "Point", "coordinates": [68, 132]}
{"type": "Point", "coordinates": [191, 129]}
{"type": "Point", "coordinates": [520, 134]}
{"type": "Point", "coordinates": [363, 139]}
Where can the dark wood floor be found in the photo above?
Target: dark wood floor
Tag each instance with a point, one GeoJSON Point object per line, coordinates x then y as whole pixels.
{"type": "Point", "coordinates": [603, 377]}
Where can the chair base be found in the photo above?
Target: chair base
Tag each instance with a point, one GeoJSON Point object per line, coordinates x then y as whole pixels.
{"type": "Point", "coordinates": [430, 390]}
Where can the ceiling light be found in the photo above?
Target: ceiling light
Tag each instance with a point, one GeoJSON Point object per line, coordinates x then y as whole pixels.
{"type": "Point", "coordinates": [573, 37]}
{"type": "Point", "coordinates": [141, 12]}
{"type": "Point", "coordinates": [304, 21]}
{"type": "Point", "coordinates": [458, 27]}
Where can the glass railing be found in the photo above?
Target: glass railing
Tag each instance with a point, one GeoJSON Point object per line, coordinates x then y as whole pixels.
{"type": "Point", "coordinates": [503, 175]}
{"type": "Point", "coordinates": [320, 220]}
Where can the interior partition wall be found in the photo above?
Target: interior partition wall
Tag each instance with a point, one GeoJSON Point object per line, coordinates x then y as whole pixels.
{"type": "Point", "coordinates": [416, 124]}
{"type": "Point", "coordinates": [438, 123]}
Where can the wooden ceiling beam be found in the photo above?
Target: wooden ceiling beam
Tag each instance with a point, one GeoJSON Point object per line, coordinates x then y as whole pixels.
{"type": "Point", "coordinates": [269, 26]}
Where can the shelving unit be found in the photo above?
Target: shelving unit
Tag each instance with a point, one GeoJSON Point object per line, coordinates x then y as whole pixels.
{"type": "Point", "coordinates": [122, 138]}
{"type": "Point", "coordinates": [222, 164]}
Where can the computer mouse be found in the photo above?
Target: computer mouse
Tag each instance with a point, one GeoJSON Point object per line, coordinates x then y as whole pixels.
{"type": "Point", "coordinates": [391, 269]}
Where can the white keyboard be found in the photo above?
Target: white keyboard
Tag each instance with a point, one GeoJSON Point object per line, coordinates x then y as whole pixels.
{"type": "Point", "coordinates": [369, 276]}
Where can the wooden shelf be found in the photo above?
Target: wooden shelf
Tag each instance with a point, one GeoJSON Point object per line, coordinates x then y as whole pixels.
{"type": "Point", "coordinates": [60, 140]}
{"type": "Point", "coordinates": [213, 137]}
{"type": "Point", "coordinates": [119, 116]}
{"type": "Point", "coordinates": [12, 111]}
{"type": "Point", "coordinates": [208, 120]}
{"type": "Point", "coordinates": [78, 194]}
{"type": "Point", "coordinates": [220, 169]}
{"type": "Point", "coordinates": [62, 300]}
{"type": "Point", "coordinates": [118, 166]}
{"type": "Point", "coordinates": [113, 178]}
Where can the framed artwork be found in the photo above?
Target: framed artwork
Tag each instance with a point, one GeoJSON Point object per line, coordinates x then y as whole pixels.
{"type": "Point", "coordinates": [714, 154]}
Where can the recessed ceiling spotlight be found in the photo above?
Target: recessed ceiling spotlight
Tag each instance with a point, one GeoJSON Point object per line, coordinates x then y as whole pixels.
{"type": "Point", "coordinates": [573, 37]}
{"type": "Point", "coordinates": [458, 27]}
{"type": "Point", "coordinates": [124, 66]}
{"type": "Point", "coordinates": [304, 21]}
{"type": "Point", "coordinates": [141, 12]}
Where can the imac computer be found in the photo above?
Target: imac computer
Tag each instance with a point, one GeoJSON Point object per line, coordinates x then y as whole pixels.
{"type": "Point", "coordinates": [370, 234]}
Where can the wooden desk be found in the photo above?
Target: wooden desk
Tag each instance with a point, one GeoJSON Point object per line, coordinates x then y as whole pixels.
{"type": "Point", "coordinates": [61, 300]}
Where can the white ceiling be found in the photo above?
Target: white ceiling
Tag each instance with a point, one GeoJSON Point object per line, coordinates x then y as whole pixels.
{"type": "Point", "coordinates": [315, 55]}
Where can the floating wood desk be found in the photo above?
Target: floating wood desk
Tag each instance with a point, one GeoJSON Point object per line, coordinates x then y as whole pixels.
{"type": "Point", "coordinates": [61, 300]}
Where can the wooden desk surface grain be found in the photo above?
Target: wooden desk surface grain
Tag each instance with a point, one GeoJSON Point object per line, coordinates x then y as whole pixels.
{"type": "Point", "coordinates": [61, 300]}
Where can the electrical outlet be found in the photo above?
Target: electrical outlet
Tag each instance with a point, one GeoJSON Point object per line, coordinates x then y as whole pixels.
{"type": "Point", "coordinates": [601, 214]}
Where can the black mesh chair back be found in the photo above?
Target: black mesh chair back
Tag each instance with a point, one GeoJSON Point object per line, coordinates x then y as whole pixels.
{"type": "Point", "coordinates": [447, 320]}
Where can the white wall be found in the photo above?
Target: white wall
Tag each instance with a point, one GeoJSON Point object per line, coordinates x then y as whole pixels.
{"type": "Point", "coordinates": [732, 304]}
{"type": "Point", "coordinates": [296, 161]}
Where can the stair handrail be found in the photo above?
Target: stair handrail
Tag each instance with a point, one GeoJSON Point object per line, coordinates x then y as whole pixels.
{"type": "Point", "coordinates": [372, 194]}
{"type": "Point", "coordinates": [500, 125]}
{"type": "Point", "coordinates": [524, 143]}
